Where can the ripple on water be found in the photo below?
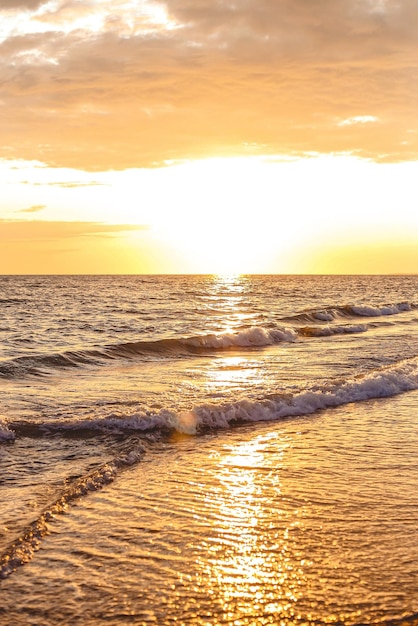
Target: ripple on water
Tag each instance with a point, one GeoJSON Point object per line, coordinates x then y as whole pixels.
{"type": "Point", "coordinates": [311, 521]}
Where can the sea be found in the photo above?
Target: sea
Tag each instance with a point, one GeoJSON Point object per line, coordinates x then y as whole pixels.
{"type": "Point", "coordinates": [208, 450]}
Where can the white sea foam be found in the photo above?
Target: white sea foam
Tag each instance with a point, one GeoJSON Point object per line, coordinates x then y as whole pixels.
{"type": "Point", "coordinates": [325, 316]}
{"type": "Point", "coordinates": [370, 311]}
{"type": "Point", "coordinates": [351, 310]}
{"type": "Point", "coordinates": [5, 433]}
{"type": "Point", "coordinates": [386, 382]}
{"type": "Point", "coordinates": [328, 331]}
{"type": "Point", "coordinates": [255, 336]}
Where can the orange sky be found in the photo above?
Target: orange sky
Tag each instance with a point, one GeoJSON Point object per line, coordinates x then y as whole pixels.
{"type": "Point", "coordinates": [181, 136]}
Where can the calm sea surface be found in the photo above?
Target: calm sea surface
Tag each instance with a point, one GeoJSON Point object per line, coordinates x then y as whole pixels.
{"type": "Point", "coordinates": [209, 450]}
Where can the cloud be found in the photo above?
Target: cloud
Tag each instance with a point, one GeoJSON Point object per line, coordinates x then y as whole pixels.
{"type": "Point", "coordinates": [33, 209]}
{"type": "Point", "coordinates": [38, 230]}
{"type": "Point", "coordinates": [66, 184]}
{"type": "Point", "coordinates": [21, 4]}
{"type": "Point", "coordinates": [358, 119]}
{"type": "Point", "coordinates": [217, 78]}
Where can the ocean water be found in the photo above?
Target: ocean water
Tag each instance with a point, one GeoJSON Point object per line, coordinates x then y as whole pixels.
{"type": "Point", "coordinates": [209, 450]}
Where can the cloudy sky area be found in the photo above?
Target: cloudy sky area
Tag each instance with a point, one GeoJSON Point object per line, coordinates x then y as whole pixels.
{"type": "Point", "coordinates": [208, 135]}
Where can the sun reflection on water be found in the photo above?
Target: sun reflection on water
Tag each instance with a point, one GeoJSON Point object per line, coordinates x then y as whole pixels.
{"type": "Point", "coordinates": [227, 295]}
{"type": "Point", "coordinates": [250, 567]}
{"type": "Point", "coordinates": [249, 561]}
{"type": "Point", "coordinates": [234, 371]}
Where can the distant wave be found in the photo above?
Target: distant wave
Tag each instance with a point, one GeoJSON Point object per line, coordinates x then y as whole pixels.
{"type": "Point", "coordinates": [5, 433]}
{"type": "Point", "coordinates": [384, 382]}
{"type": "Point", "coordinates": [38, 365]}
{"type": "Point", "coordinates": [41, 364]}
{"type": "Point", "coordinates": [406, 620]}
{"type": "Point", "coordinates": [346, 311]}
{"type": "Point", "coordinates": [254, 337]}
{"type": "Point", "coordinates": [328, 331]}
{"type": "Point", "coordinates": [12, 301]}
{"type": "Point", "coordinates": [321, 323]}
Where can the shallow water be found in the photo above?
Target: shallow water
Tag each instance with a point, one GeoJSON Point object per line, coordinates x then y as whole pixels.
{"type": "Point", "coordinates": [307, 521]}
{"type": "Point", "coordinates": [134, 492]}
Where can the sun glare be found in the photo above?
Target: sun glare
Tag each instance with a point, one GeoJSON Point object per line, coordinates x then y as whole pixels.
{"type": "Point", "coordinates": [223, 217]}
{"type": "Point", "coordinates": [233, 215]}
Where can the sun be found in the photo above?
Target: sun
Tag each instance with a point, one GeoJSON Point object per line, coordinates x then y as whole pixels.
{"type": "Point", "coordinates": [218, 248]}
{"type": "Point", "coordinates": [218, 215]}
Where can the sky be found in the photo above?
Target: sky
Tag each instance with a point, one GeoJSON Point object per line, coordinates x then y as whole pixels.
{"type": "Point", "coordinates": [215, 136]}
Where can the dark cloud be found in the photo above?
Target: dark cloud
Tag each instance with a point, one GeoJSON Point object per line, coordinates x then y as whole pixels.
{"type": "Point", "coordinates": [21, 4]}
{"type": "Point", "coordinates": [252, 76]}
{"type": "Point", "coordinates": [311, 29]}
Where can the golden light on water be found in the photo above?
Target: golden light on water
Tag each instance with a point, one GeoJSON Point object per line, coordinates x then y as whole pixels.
{"type": "Point", "coordinates": [233, 370]}
{"type": "Point", "coordinates": [257, 571]}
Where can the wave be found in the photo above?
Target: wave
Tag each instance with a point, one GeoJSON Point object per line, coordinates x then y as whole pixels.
{"type": "Point", "coordinates": [381, 383]}
{"type": "Point", "coordinates": [328, 331]}
{"type": "Point", "coordinates": [255, 336]}
{"type": "Point", "coordinates": [351, 311]}
{"type": "Point", "coordinates": [5, 433]}
{"type": "Point", "coordinates": [42, 364]}
{"type": "Point", "coordinates": [405, 620]}
{"type": "Point", "coordinates": [13, 301]}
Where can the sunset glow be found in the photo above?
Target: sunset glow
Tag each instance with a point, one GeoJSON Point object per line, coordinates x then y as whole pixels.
{"type": "Point", "coordinates": [170, 137]}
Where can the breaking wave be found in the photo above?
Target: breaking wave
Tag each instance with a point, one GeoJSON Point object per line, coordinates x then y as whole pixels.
{"type": "Point", "coordinates": [149, 426]}
{"type": "Point", "coordinates": [328, 331]}
{"type": "Point", "coordinates": [5, 433]}
{"type": "Point", "coordinates": [254, 337]}
{"type": "Point", "coordinates": [351, 311]}
{"type": "Point", "coordinates": [44, 363]}
{"type": "Point", "coordinates": [320, 323]}
{"type": "Point", "coordinates": [381, 383]}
